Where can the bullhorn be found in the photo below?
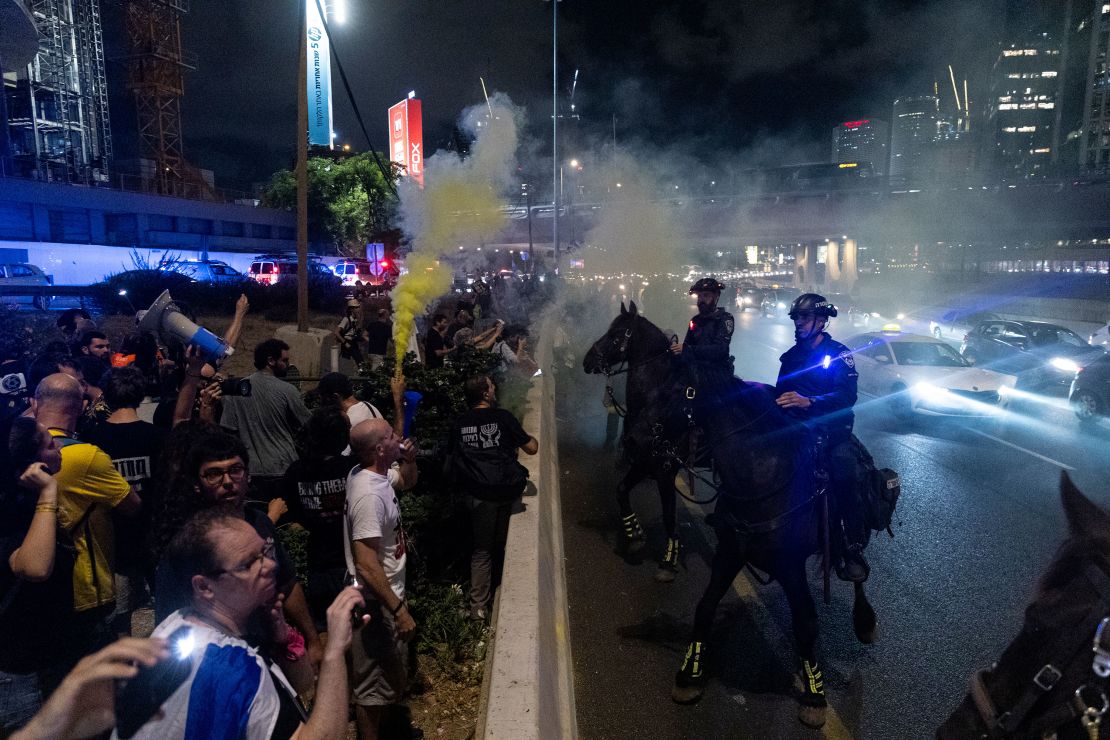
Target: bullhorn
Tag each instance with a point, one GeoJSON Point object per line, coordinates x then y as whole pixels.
{"type": "Point", "coordinates": [165, 318]}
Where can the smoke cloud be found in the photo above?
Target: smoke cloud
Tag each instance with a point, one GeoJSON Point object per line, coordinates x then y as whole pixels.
{"type": "Point", "coordinates": [461, 203]}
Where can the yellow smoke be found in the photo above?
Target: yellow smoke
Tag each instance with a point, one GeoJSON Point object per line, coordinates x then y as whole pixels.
{"type": "Point", "coordinates": [459, 205]}
{"type": "Point", "coordinates": [425, 281]}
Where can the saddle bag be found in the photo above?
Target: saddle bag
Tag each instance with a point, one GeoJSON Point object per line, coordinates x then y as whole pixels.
{"type": "Point", "coordinates": [879, 491]}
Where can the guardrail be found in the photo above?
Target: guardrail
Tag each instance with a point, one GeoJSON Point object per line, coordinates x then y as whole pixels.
{"type": "Point", "coordinates": [529, 683]}
{"type": "Point", "coordinates": [81, 292]}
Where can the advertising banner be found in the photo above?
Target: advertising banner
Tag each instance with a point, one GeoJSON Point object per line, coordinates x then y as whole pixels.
{"type": "Point", "coordinates": [319, 78]}
{"type": "Point", "coordinates": [406, 138]}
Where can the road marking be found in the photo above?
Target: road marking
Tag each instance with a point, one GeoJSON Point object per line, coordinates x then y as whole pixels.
{"type": "Point", "coordinates": [834, 727]}
{"type": "Point", "coordinates": [1019, 448]}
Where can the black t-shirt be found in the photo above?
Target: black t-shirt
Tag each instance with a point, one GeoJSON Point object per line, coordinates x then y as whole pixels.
{"type": "Point", "coordinates": [494, 433]}
{"type": "Point", "coordinates": [378, 333]}
{"type": "Point", "coordinates": [134, 448]}
{"type": "Point", "coordinates": [316, 493]}
{"type": "Point", "coordinates": [35, 618]}
{"type": "Point", "coordinates": [432, 343]}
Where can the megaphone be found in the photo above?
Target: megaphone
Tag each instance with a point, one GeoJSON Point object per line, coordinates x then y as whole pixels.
{"type": "Point", "coordinates": [412, 400]}
{"type": "Point", "coordinates": [165, 318]}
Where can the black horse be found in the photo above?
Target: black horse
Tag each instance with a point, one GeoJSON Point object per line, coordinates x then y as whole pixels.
{"type": "Point", "coordinates": [1053, 680]}
{"type": "Point", "coordinates": [635, 342]}
{"type": "Point", "coordinates": [767, 512]}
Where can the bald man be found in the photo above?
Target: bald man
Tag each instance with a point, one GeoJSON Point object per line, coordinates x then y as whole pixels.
{"type": "Point", "coordinates": [375, 551]}
{"type": "Point", "coordinates": [89, 488]}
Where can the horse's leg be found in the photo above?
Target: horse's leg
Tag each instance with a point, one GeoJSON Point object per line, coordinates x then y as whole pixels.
{"type": "Point", "coordinates": [803, 615]}
{"type": "Point", "coordinates": [633, 533]}
{"type": "Point", "coordinates": [863, 616]}
{"type": "Point", "coordinates": [727, 562]}
{"type": "Point", "coordinates": [668, 501]}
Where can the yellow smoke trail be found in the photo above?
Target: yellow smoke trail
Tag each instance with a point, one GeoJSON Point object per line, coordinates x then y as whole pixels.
{"type": "Point", "coordinates": [425, 281]}
{"type": "Point", "coordinates": [459, 205]}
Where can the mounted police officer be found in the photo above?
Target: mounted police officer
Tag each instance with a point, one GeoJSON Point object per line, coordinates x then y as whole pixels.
{"type": "Point", "coordinates": [706, 347]}
{"type": "Point", "coordinates": [817, 384]}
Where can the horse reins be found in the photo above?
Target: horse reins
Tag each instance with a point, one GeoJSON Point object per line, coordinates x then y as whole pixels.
{"type": "Point", "coordinates": [1088, 703]}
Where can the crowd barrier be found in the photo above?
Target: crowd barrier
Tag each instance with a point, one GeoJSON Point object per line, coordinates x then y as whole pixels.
{"type": "Point", "coordinates": [528, 690]}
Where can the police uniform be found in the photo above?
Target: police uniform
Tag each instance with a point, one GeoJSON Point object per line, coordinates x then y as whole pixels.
{"type": "Point", "coordinates": [706, 347]}
{"type": "Point", "coordinates": [826, 375]}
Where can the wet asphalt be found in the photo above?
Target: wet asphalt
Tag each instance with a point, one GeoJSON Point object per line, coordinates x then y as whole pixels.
{"type": "Point", "coordinates": [978, 521]}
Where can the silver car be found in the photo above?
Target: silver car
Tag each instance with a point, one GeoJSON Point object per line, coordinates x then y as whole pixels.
{"type": "Point", "coordinates": [13, 274]}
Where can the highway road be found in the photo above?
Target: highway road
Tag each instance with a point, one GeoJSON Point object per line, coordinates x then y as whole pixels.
{"type": "Point", "coordinates": [978, 521]}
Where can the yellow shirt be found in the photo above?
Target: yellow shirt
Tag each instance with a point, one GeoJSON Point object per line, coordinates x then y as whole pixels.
{"type": "Point", "coordinates": [88, 479]}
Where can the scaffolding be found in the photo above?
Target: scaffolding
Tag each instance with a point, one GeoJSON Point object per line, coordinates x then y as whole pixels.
{"type": "Point", "coordinates": [58, 113]}
{"type": "Point", "coordinates": [156, 77]}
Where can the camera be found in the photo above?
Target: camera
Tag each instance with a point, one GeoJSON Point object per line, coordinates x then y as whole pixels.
{"type": "Point", "coordinates": [235, 387]}
{"type": "Point", "coordinates": [140, 698]}
{"type": "Point", "coordinates": [13, 384]}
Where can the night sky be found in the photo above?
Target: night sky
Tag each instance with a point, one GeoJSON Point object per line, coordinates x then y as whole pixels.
{"type": "Point", "coordinates": [757, 80]}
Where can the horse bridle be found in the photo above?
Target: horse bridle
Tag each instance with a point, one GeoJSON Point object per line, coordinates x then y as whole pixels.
{"type": "Point", "coordinates": [1088, 703]}
{"type": "Point", "coordinates": [623, 367]}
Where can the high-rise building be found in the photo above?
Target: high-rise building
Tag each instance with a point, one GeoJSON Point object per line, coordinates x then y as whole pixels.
{"type": "Point", "coordinates": [1094, 135]}
{"type": "Point", "coordinates": [1021, 111]}
{"type": "Point", "coordinates": [57, 105]}
{"type": "Point", "coordinates": [862, 141]}
{"type": "Point", "coordinates": [913, 137]}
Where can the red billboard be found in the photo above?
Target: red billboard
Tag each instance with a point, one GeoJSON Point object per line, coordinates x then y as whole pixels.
{"type": "Point", "coordinates": [406, 138]}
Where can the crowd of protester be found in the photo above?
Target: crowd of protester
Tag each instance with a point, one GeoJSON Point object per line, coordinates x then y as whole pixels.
{"type": "Point", "coordinates": [107, 510]}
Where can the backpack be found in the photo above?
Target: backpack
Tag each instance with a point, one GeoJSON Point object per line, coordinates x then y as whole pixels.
{"type": "Point", "coordinates": [879, 489]}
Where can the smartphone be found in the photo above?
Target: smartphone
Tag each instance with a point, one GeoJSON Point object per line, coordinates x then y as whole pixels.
{"type": "Point", "coordinates": [141, 697]}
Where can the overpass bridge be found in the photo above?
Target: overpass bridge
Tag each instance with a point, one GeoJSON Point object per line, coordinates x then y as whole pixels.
{"type": "Point", "coordinates": [1042, 220]}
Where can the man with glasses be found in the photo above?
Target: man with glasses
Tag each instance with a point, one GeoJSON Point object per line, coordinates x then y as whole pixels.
{"type": "Point", "coordinates": [218, 465]}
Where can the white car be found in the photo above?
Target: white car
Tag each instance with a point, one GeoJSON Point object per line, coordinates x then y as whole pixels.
{"type": "Point", "coordinates": [1101, 337]}
{"type": "Point", "coordinates": [926, 376]}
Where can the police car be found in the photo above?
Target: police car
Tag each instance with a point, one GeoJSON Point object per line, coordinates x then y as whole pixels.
{"type": "Point", "coordinates": [923, 375]}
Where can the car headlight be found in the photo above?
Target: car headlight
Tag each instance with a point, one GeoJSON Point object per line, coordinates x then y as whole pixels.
{"type": "Point", "coordinates": [901, 317]}
{"type": "Point", "coordinates": [1063, 363]}
{"type": "Point", "coordinates": [1005, 390]}
{"type": "Point", "coordinates": [780, 304]}
{"type": "Point", "coordinates": [748, 301]}
{"type": "Point", "coordinates": [929, 391]}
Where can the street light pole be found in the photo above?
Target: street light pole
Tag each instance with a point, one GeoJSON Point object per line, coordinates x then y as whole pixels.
{"type": "Point", "coordinates": [555, 183]}
{"type": "Point", "coordinates": [302, 180]}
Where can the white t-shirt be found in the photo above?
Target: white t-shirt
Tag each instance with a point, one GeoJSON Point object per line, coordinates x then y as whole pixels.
{"type": "Point", "coordinates": [230, 687]}
{"type": "Point", "coordinates": [360, 412]}
{"type": "Point", "coordinates": [505, 352]}
{"type": "Point", "coordinates": [372, 511]}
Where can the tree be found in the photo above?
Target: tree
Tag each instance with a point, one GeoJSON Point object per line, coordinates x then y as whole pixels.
{"type": "Point", "coordinates": [349, 199]}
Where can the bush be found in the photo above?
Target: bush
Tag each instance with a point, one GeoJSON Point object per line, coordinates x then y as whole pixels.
{"type": "Point", "coordinates": [276, 302]}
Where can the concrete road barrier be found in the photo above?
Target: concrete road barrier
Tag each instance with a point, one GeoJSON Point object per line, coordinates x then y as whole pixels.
{"type": "Point", "coordinates": [530, 678]}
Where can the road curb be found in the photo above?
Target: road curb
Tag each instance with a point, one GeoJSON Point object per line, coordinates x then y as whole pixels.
{"type": "Point", "coordinates": [530, 678]}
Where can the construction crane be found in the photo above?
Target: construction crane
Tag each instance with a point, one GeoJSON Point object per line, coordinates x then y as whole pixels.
{"type": "Point", "coordinates": [156, 77]}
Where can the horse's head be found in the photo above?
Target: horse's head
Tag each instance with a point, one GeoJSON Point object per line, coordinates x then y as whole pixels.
{"type": "Point", "coordinates": [612, 349]}
{"type": "Point", "coordinates": [1049, 675]}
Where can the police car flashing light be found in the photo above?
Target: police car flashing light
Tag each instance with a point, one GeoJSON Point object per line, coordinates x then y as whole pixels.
{"type": "Point", "coordinates": [892, 328]}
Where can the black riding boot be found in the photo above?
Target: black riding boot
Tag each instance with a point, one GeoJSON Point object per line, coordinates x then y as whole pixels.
{"type": "Point", "coordinates": [668, 565]}
{"type": "Point", "coordinates": [692, 672]}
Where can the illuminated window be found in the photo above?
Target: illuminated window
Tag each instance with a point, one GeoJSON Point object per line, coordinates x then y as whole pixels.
{"type": "Point", "coordinates": [1105, 8]}
{"type": "Point", "coordinates": [1045, 106]}
{"type": "Point", "coordinates": [1043, 150]}
{"type": "Point", "coordinates": [1026, 129]}
{"type": "Point", "coordinates": [1009, 129]}
{"type": "Point", "coordinates": [1049, 73]}
{"type": "Point", "coordinates": [1008, 106]}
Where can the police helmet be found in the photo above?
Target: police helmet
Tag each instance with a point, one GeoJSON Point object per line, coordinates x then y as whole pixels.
{"type": "Point", "coordinates": [812, 303]}
{"type": "Point", "coordinates": [708, 284]}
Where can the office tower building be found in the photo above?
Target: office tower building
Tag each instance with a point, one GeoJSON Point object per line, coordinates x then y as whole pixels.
{"type": "Point", "coordinates": [913, 137]}
{"type": "Point", "coordinates": [862, 141]}
{"type": "Point", "coordinates": [1021, 110]}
